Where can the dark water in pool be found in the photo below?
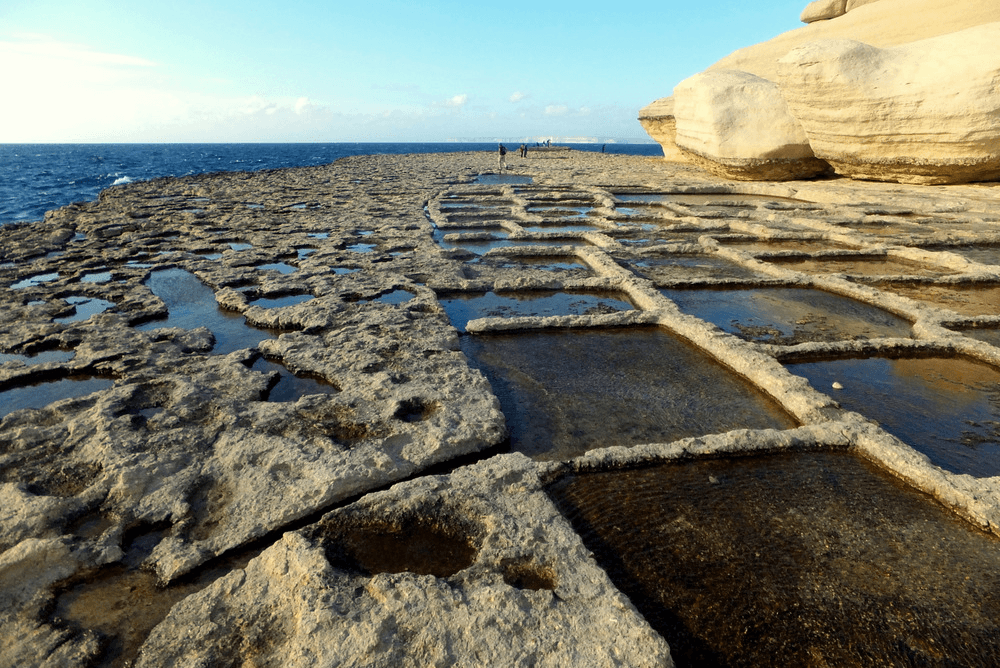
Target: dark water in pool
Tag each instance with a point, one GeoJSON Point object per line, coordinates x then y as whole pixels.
{"type": "Point", "coordinates": [463, 308]}
{"type": "Point", "coordinates": [566, 392]}
{"type": "Point", "coordinates": [788, 315]}
{"type": "Point", "coordinates": [947, 408]}
{"type": "Point", "coordinates": [810, 559]}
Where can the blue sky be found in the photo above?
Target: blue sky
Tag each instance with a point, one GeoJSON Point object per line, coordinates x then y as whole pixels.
{"type": "Point", "coordinates": [375, 70]}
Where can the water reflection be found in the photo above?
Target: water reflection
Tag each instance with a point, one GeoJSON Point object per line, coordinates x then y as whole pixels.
{"type": "Point", "coordinates": [947, 408]}
{"type": "Point", "coordinates": [37, 279]}
{"type": "Point", "coordinates": [84, 307]}
{"type": "Point", "coordinates": [788, 315]}
{"type": "Point", "coordinates": [39, 395]}
{"type": "Point", "coordinates": [566, 392]}
{"type": "Point", "coordinates": [463, 308]}
{"type": "Point", "coordinates": [191, 304]}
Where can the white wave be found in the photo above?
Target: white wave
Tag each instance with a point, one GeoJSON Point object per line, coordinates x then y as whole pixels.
{"type": "Point", "coordinates": [122, 180]}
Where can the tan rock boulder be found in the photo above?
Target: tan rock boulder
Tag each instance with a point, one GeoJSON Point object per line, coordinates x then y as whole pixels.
{"type": "Point", "coordinates": [926, 112]}
{"type": "Point", "coordinates": [854, 4]}
{"type": "Point", "coordinates": [883, 24]}
{"type": "Point", "coordinates": [820, 10]}
{"type": "Point", "coordinates": [657, 119]}
{"type": "Point", "coordinates": [736, 125]}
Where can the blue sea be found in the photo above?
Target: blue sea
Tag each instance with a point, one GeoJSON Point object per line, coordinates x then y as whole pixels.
{"type": "Point", "coordinates": [35, 178]}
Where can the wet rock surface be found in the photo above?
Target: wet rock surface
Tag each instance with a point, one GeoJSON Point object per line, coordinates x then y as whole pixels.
{"type": "Point", "coordinates": [272, 349]}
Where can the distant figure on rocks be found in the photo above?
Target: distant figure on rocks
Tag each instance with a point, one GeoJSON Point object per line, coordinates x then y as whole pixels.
{"type": "Point", "coordinates": [524, 150]}
{"type": "Point", "coordinates": [602, 147]}
{"type": "Point", "coordinates": [503, 160]}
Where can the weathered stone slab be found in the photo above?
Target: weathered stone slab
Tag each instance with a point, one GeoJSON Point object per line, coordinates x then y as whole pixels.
{"type": "Point", "coordinates": [521, 589]}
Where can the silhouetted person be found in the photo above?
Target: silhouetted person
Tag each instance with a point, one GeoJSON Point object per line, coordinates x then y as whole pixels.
{"type": "Point", "coordinates": [501, 158]}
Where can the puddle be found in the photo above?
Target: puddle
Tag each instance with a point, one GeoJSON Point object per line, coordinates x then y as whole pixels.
{"type": "Point", "coordinates": [964, 299]}
{"type": "Point", "coordinates": [57, 356]}
{"type": "Point", "coordinates": [566, 392]}
{"type": "Point", "coordinates": [990, 336]}
{"type": "Point", "coordinates": [319, 235]}
{"type": "Point", "coordinates": [191, 304]}
{"type": "Point", "coordinates": [981, 254]}
{"type": "Point", "coordinates": [947, 408]}
{"type": "Point", "coordinates": [394, 297]}
{"type": "Point", "coordinates": [39, 395]}
{"type": "Point", "coordinates": [558, 211]}
{"type": "Point", "coordinates": [810, 559]}
{"type": "Point", "coordinates": [361, 248]}
{"type": "Point", "coordinates": [493, 179]}
{"type": "Point", "coordinates": [37, 279]}
{"type": "Point", "coordinates": [280, 267]}
{"type": "Point", "coordinates": [857, 265]}
{"type": "Point", "coordinates": [125, 604]}
{"type": "Point", "coordinates": [303, 253]}
{"type": "Point", "coordinates": [463, 308]}
{"type": "Point", "coordinates": [788, 315]}
{"type": "Point", "coordinates": [708, 199]}
{"type": "Point", "coordinates": [96, 277]}
{"type": "Point", "coordinates": [545, 263]}
{"type": "Point", "coordinates": [85, 307]}
{"type": "Point", "coordinates": [491, 232]}
{"type": "Point", "coordinates": [560, 229]}
{"type": "Point", "coordinates": [418, 545]}
{"type": "Point", "coordinates": [340, 271]}
{"type": "Point", "coordinates": [482, 246]}
{"type": "Point", "coordinates": [291, 387]}
{"type": "Point", "coordinates": [688, 267]}
{"type": "Point", "coordinates": [782, 245]}
{"type": "Point", "coordinates": [278, 302]}
{"type": "Point", "coordinates": [240, 246]}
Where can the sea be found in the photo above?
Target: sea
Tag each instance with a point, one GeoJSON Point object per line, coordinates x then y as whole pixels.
{"type": "Point", "coordinates": [35, 178]}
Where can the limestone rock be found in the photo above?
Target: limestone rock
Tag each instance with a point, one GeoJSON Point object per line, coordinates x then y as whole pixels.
{"type": "Point", "coordinates": [737, 125]}
{"type": "Point", "coordinates": [885, 23]}
{"type": "Point", "coordinates": [657, 119]}
{"type": "Point", "coordinates": [854, 4]}
{"type": "Point", "coordinates": [820, 10]}
{"type": "Point", "coordinates": [525, 591]}
{"type": "Point", "coordinates": [926, 112]}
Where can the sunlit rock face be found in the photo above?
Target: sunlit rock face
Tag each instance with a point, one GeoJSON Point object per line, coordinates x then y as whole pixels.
{"type": "Point", "coordinates": [657, 119]}
{"type": "Point", "coordinates": [926, 112]}
{"type": "Point", "coordinates": [904, 96]}
{"type": "Point", "coordinates": [736, 125]}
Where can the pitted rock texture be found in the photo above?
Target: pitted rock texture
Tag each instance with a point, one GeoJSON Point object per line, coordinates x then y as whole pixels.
{"type": "Point", "coordinates": [185, 468]}
{"type": "Point", "coordinates": [531, 594]}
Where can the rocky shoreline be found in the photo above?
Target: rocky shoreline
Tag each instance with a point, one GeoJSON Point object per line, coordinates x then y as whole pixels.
{"type": "Point", "coordinates": [242, 520]}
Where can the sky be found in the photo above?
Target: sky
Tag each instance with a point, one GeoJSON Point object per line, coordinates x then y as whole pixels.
{"type": "Point", "coordinates": [357, 70]}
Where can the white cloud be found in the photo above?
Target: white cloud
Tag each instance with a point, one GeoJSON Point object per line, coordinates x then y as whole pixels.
{"type": "Point", "coordinates": [584, 111]}
{"type": "Point", "coordinates": [457, 101]}
{"type": "Point", "coordinates": [303, 105]}
{"type": "Point", "coordinates": [556, 110]}
{"type": "Point", "coordinates": [517, 96]}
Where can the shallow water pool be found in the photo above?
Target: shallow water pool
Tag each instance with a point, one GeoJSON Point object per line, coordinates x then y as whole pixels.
{"type": "Point", "coordinates": [946, 408]}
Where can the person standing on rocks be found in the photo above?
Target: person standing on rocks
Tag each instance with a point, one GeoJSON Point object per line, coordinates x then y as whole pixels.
{"type": "Point", "coordinates": [502, 160]}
